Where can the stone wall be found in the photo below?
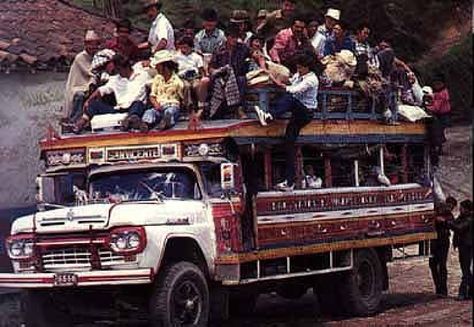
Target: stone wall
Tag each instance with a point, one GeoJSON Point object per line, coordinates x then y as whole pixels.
{"type": "Point", "coordinates": [28, 104]}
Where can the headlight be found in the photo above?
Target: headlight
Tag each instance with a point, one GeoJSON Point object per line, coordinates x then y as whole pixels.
{"type": "Point", "coordinates": [129, 240]}
{"type": "Point", "coordinates": [20, 247]}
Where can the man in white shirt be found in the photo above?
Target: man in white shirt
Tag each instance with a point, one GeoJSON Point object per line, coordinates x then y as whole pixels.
{"type": "Point", "coordinates": [161, 35]}
{"type": "Point", "coordinates": [129, 88]}
{"type": "Point", "coordinates": [301, 99]}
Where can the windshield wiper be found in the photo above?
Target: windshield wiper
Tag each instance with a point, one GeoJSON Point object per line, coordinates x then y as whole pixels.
{"type": "Point", "coordinates": [42, 206]}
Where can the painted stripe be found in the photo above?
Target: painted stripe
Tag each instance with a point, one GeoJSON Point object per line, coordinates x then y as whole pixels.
{"type": "Point", "coordinates": [344, 214]}
{"type": "Point", "coordinates": [267, 254]}
{"type": "Point", "coordinates": [90, 278]}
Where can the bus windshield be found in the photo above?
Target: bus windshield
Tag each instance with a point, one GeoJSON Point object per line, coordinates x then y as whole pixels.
{"type": "Point", "coordinates": [142, 185]}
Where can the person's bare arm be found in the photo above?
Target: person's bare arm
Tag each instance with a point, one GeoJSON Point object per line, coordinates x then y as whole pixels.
{"type": "Point", "coordinates": [95, 95]}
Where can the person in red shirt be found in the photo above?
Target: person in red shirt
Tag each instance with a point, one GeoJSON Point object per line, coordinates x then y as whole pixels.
{"type": "Point", "coordinates": [440, 108]}
{"type": "Point", "coordinates": [122, 43]}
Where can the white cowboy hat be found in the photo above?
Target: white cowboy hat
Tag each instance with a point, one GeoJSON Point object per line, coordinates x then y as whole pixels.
{"type": "Point", "coordinates": [162, 56]}
{"type": "Point", "coordinates": [333, 13]}
{"type": "Point", "coordinates": [91, 35]}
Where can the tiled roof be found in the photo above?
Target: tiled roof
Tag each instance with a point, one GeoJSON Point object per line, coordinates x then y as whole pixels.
{"type": "Point", "coordinates": [44, 34]}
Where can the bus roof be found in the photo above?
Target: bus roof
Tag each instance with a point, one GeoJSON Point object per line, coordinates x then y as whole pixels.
{"type": "Point", "coordinates": [250, 132]}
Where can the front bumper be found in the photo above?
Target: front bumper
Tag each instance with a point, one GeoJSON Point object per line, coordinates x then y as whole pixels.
{"type": "Point", "coordinates": [77, 279]}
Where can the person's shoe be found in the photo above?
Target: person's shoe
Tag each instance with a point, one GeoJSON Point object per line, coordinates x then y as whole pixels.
{"type": "Point", "coordinates": [67, 128]}
{"type": "Point", "coordinates": [261, 116]}
{"type": "Point", "coordinates": [143, 127]}
{"type": "Point", "coordinates": [283, 186]}
{"type": "Point", "coordinates": [131, 122]}
{"type": "Point", "coordinates": [80, 125]}
{"type": "Point", "coordinates": [165, 122]}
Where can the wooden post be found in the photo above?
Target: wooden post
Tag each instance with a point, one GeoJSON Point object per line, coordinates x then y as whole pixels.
{"type": "Point", "coordinates": [267, 166]}
{"type": "Point", "coordinates": [327, 172]}
{"type": "Point", "coordinates": [404, 160]}
{"type": "Point", "coordinates": [382, 168]}
{"type": "Point", "coordinates": [299, 167]}
{"type": "Point", "coordinates": [356, 172]}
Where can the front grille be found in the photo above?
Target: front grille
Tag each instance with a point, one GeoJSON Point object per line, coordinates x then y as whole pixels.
{"type": "Point", "coordinates": [78, 258]}
{"type": "Point", "coordinates": [81, 220]}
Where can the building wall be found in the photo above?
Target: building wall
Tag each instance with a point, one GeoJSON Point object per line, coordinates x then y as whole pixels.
{"type": "Point", "coordinates": [28, 104]}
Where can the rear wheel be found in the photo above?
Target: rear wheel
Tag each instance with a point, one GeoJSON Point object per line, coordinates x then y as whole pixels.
{"type": "Point", "coordinates": [361, 288]}
{"type": "Point", "coordinates": [181, 297]}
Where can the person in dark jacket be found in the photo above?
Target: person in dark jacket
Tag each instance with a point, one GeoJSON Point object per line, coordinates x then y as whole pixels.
{"type": "Point", "coordinates": [462, 228]}
{"type": "Point", "coordinates": [440, 249]}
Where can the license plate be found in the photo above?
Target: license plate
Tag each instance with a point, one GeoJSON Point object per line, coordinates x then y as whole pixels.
{"type": "Point", "coordinates": [65, 279]}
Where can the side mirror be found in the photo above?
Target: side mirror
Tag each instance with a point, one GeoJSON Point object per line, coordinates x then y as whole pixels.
{"type": "Point", "coordinates": [228, 174]}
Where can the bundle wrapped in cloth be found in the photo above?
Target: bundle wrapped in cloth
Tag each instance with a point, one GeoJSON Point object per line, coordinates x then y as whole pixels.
{"type": "Point", "coordinates": [340, 67]}
{"type": "Point", "coordinates": [261, 76]}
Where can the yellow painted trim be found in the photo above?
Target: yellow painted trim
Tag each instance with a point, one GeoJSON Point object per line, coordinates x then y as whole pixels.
{"type": "Point", "coordinates": [244, 129]}
{"type": "Point", "coordinates": [231, 259]}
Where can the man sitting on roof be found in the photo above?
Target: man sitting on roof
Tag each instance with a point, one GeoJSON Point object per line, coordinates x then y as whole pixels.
{"type": "Point", "coordinates": [210, 38]}
{"type": "Point", "coordinates": [227, 68]}
{"type": "Point", "coordinates": [289, 41]}
{"type": "Point", "coordinates": [121, 43]}
{"type": "Point", "coordinates": [191, 71]}
{"type": "Point", "coordinates": [79, 77]}
{"type": "Point", "coordinates": [129, 88]}
{"type": "Point", "coordinates": [301, 99]}
{"type": "Point", "coordinates": [166, 93]}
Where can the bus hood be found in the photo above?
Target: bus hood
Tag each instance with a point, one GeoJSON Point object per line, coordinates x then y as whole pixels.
{"type": "Point", "coordinates": [105, 216]}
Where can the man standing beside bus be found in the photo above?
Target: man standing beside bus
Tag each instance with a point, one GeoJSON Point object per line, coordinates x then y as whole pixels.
{"type": "Point", "coordinates": [301, 99]}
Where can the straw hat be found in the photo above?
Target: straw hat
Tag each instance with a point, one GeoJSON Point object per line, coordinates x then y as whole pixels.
{"type": "Point", "coordinates": [239, 16]}
{"type": "Point", "coordinates": [91, 36]}
{"type": "Point", "coordinates": [333, 13]}
{"type": "Point", "coordinates": [162, 56]}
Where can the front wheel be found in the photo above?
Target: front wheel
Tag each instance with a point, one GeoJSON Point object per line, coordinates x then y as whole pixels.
{"type": "Point", "coordinates": [181, 297]}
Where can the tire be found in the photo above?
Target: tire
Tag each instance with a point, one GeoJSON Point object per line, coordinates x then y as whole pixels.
{"type": "Point", "coordinates": [242, 304]}
{"type": "Point", "coordinates": [362, 287]}
{"type": "Point", "coordinates": [39, 310]}
{"type": "Point", "coordinates": [180, 298]}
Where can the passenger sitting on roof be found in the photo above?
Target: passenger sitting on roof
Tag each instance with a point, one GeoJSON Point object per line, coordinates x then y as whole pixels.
{"type": "Point", "coordinates": [191, 71]}
{"type": "Point", "coordinates": [338, 41]}
{"type": "Point", "coordinates": [290, 41]}
{"type": "Point", "coordinates": [129, 88]}
{"type": "Point", "coordinates": [227, 68]}
{"type": "Point", "coordinates": [166, 93]}
{"type": "Point", "coordinates": [121, 42]}
{"type": "Point", "coordinates": [210, 38]}
{"type": "Point", "coordinates": [301, 99]}
{"type": "Point", "coordinates": [79, 77]}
